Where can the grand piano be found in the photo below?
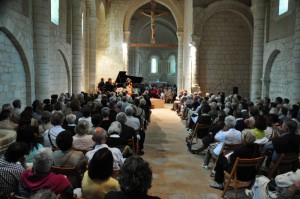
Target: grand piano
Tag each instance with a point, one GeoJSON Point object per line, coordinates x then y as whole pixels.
{"type": "Point", "coordinates": [136, 81]}
{"type": "Point", "coordinates": [121, 78]}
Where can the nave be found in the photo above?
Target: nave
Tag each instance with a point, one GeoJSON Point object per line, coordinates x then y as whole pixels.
{"type": "Point", "coordinates": [177, 174]}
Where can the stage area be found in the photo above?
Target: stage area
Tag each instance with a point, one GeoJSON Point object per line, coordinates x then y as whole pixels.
{"type": "Point", "coordinates": [157, 103]}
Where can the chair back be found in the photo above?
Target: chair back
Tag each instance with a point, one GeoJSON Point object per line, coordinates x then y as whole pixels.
{"type": "Point", "coordinates": [231, 147]}
{"type": "Point", "coordinates": [131, 144]}
{"type": "Point", "coordinates": [72, 173]}
{"type": "Point", "coordinates": [201, 130]}
{"type": "Point", "coordinates": [286, 162]}
{"type": "Point", "coordinates": [242, 162]}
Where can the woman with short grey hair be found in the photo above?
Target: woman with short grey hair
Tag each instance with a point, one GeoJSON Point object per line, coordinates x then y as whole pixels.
{"type": "Point", "coordinates": [82, 141]}
{"type": "Point", "coordinates": [40, 177]}
{"type": "Point", "coordinates": [228, 135]}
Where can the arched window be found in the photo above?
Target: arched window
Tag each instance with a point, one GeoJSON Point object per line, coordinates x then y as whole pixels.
{"type": "Point", "coordinates": [154, 64]}
{"type": "Point", "coordinates": [55, 11]}
{"type": "Point", "coordinates": [283, 6]}
{"type": "Point", "coordinates": [82, 25]}
{"type": "Point", "coordinates": [172, 64]}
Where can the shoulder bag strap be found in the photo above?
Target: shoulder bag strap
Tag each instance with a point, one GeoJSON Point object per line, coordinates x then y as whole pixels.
{"type": "Point", "coordinates": [51, 140]}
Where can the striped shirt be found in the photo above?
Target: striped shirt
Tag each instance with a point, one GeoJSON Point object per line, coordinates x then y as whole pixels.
{"type": "Point", "coordinates": [9, 176]}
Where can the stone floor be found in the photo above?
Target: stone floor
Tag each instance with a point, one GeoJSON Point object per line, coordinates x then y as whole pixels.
{"type": "Point", "coordinates": [177, 174]}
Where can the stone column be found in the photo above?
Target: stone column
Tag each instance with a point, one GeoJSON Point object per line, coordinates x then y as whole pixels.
{"type": "Point", "coordinates": [296, 81]}
{"type": "Point", "coordinates": [93, 80]}
{"type": "Point", "coordinates": [125, 50]}
{"type": "Point", "coordinates": [258, 10]}
{"type": "Point", "coordinates": [179, 62]}
{"type": "Point", "coordinates": [77, 44]}
{"type": "Point", "coordinates": [196, 44]}
{"type": "Point", "coordinates": [41, 16]}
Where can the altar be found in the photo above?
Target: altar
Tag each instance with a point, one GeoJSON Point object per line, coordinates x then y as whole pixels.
{"type": "Point", "coordinates": [157, 103]}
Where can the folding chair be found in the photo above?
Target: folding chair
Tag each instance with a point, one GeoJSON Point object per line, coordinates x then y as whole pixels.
{"type": "Point", "coordinates": [72, 173]}
{"type": "Point", "coordinates": [285, 163]}
{"type": "Point", "coordinates": [225, 149]}
{"type": "Point", "coordinates": [252, 162]}
{"type": "Point", "coordinates": [199, 132]}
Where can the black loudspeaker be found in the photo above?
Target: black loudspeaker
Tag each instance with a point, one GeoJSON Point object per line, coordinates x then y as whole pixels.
{"type": "Point", "coordinates": [235, 90]}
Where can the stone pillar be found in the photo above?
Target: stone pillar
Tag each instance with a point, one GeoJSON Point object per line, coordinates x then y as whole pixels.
{"type": "Point", "coordinates": [196, 43]}
{"type": "Point", "coordinates": [265, 87]}
{"type": "Point", "coordinates": [77, 44]}
{"type": "Point", "coordinates": [179, 62]}
{"type": "Point", "coordinates": [258, 10]}
{"type": "Point", "coordinates": [125, 50]}
{"type": "Point", "coordinates": [296, 81]}
{"type": "Point", "coordinates": [41, 16]}
{"type": "Point", "coordinates": [93, 80]}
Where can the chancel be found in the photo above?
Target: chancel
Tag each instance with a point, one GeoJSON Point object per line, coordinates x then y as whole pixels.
{"type": "Point", "coordinates": [160, 79]}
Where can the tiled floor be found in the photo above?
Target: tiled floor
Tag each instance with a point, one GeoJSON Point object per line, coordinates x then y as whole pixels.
{"type": "Point", "coordinates": [177, 174]}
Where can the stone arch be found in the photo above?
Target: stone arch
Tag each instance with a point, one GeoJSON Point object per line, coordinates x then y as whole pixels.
{"type": "Point", "coordinates": [68, 70]}
{"type": "Point", "coordinates": [133, 5]}
{"type": "Point", "coordinates": [23, 50]}
{"type": "Point", "coordinates": [236, 7]}
{"type": "Point", "coordinates": [66, 54]}
{"type": "Point", "coordinates": [266, 77]}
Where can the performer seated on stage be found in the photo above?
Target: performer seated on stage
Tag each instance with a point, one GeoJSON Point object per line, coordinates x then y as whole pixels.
{"type": "Point", "coordinates": [129, 86]}
{"type": "Point", "coordinates": [101, 85]}
{"type": "Point", "coordinates": [109, 85]}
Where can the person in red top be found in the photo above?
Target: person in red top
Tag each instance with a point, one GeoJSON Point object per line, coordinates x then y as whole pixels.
{"type": "Point", "coordinates": [40, 177]}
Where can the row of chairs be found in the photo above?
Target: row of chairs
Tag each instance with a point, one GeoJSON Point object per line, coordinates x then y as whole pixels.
{"type": "Point", "coordinates": [73, 173]}
{"type": "Point", "coordinates": [284, 163]}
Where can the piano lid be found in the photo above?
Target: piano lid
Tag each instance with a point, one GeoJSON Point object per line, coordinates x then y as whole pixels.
{"type": "Point", "coordinates": [121, 78]}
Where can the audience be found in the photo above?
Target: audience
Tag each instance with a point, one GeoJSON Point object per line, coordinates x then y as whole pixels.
{"type": "Point", "coordinates": [12, 164]}
{"type": "Point", "coordinates": [82, 141]}
{"type": "Point", "coordinates": [66, 156]}
{"type": "Point", "coordinates": [135, 180]}
{"type": "Point", "coordinates": [50, 135]}
{"type": "Point", "coordinates": [100, 137]}
{"type": "Point", "coordinates": [40, 177]}
{"type": "Point", "coordinates": [97, 181]}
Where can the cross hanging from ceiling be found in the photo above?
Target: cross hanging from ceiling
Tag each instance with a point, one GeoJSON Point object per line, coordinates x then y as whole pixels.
{"type": "Point", "coordinates": [153, 13]}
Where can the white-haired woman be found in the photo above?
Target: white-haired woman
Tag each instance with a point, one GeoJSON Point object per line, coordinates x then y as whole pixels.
{"type": "Point", "coordinates": [229, 135]}
{"type": "Point", "coordinates": [82, 141]}
{"type": "Point", "coordinates": [40, 177]}
{"type": "Point", "coordinates": [114, 139]}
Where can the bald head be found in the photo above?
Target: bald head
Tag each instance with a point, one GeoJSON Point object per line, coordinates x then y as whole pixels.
{"type": "Point", "coordinates": [99, 135]}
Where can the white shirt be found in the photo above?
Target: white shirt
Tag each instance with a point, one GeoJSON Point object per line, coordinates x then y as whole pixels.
{"type": "Point", "coordinates": [118, 158]}
{"type": "Point", "coordinates": [83, 142]}
{"type": "Point", "coordinates": [88, 119]}
{"type": "Point", "coordinates": [133, 122]}
{"type": "Point", "coordinates": [54, 131]}
{"type": "Point", "coordinates": [232, 136]}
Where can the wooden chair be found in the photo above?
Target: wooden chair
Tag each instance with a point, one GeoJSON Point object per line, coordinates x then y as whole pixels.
{"type": "Point", "coordinates": [72, 173]}
{"type": "Point", "coordinates": [232, 176]}
{"type": "Point", "coordinates": [285, 163]}
{"type": "Point", "coordinates": [130, 142]}
{"type": "Point", "coordinates": [199, 132]}
{"type": "Point", "coordinates": [225, 149]}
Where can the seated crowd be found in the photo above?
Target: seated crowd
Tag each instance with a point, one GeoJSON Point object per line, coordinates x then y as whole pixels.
{"type": "Point", "coordinates": [98, 134]}
{"type": "Point", "coordinates": [261, 128]}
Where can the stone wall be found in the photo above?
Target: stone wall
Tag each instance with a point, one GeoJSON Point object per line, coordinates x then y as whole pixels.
{"type": "Point", "coordinates": [278, 70]}
{"type": "Point", "coordinates": [224, 55]}
{"type": "Point", "coordinates": [12, 74]}
{"type": "Point", "coordinates": [16, 55]}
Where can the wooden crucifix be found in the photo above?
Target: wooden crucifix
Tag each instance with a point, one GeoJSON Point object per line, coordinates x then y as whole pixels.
{"type": "Point", "coordinates": [153, 14]}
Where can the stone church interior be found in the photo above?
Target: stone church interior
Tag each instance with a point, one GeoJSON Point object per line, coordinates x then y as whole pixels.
{"type": "Point", "coordinates": [238, 57]}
